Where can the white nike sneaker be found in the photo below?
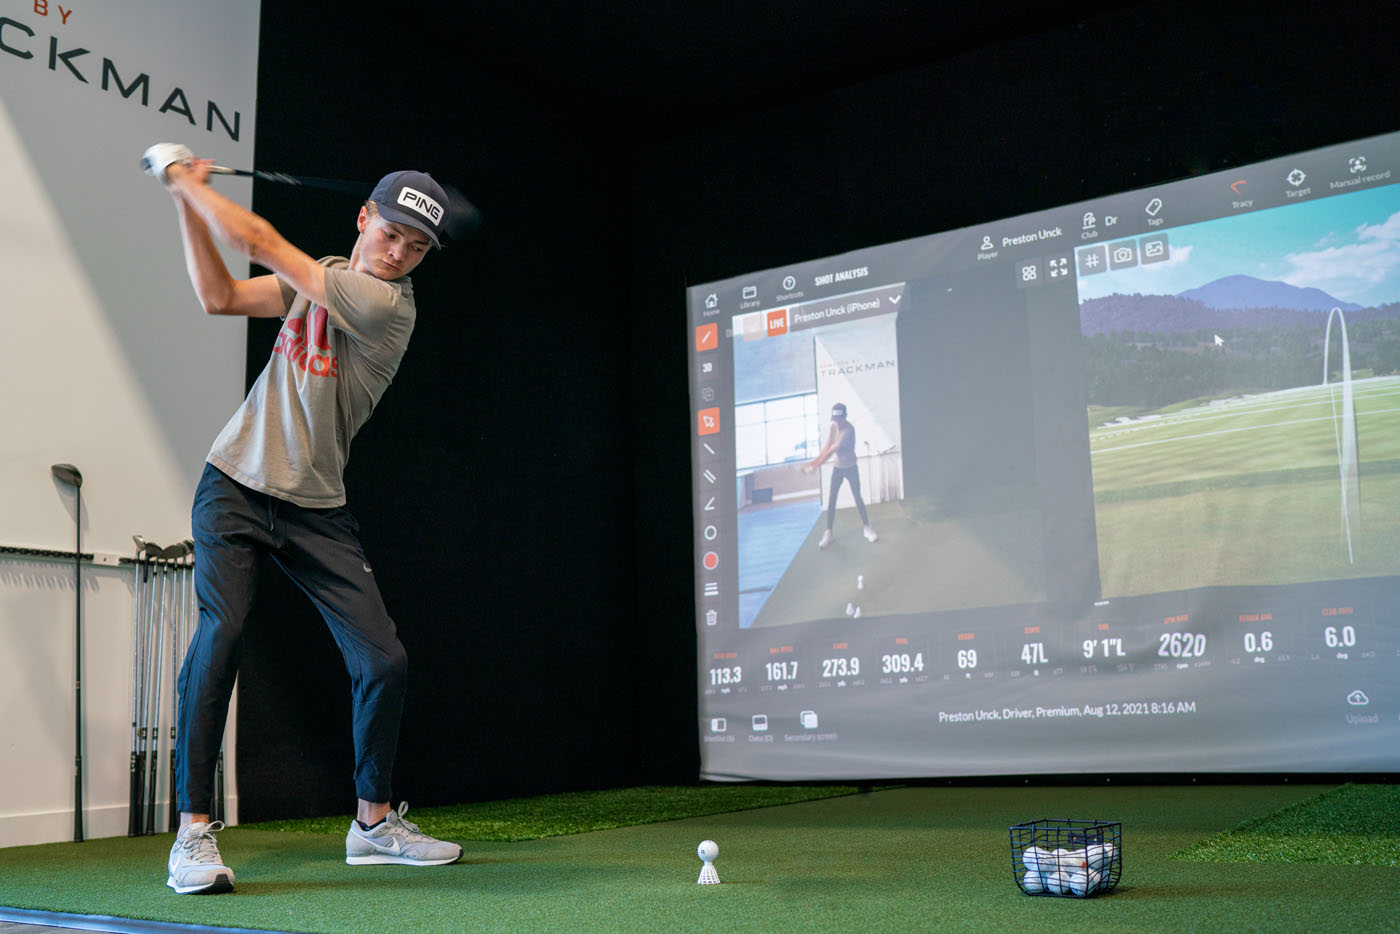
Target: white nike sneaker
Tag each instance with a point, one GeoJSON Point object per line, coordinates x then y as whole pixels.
{"type": "Point", "coordinates": [395, 840]}
{"type": "Point", "coordinates": [870, 535]}
{"type": "Point", "coordinates": [195, 866]}
{"type": "Point", "coordinates": [826, 539]}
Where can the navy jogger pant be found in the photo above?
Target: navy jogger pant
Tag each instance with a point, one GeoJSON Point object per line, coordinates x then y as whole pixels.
{"type": "Point", "coordinates": [319, 549]}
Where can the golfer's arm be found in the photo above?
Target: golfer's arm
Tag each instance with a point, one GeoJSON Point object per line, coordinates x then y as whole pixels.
{"type": "Point", "coordinates": [832, 440]}
{"type": "Point", "coordinates": [204, 208]}
{"type": "Point", "coordinates": [218, 291]}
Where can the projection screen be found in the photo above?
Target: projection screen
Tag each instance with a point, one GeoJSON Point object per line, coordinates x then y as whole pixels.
{"type": "Point", "coordinates": [1116, 489]}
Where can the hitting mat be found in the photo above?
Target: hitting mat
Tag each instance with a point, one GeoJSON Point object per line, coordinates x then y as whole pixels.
{"type": "Point", "coordinates": [896, 859]}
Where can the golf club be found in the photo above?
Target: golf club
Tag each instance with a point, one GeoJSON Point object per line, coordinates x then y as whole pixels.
{"type": "Point", "coordinates": [154, 711]}
{"type": "Point", "coordinates": [182, 553]}
{"type": "Point", "coordinates": [138, 644]}
{"type": "Point", "coordinates": [67, 473]}
{"type": "Point", "coordinates": [462, 216]}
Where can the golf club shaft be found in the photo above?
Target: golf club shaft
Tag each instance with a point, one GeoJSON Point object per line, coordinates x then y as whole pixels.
{"type": "Point", "coordinates": [133, 825]}
{"type": "Point", "coordinates": [78, 674]}
{"type": "Point", "coordinates": [463, 216]}
{"type": "Point", "coordinates": [282, 178]}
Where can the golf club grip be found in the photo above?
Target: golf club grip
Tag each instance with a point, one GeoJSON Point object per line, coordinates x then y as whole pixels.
{"type": "Point", "coordinates": [133, 810]}
{"type": "Point", "coordinates": [136, 822]}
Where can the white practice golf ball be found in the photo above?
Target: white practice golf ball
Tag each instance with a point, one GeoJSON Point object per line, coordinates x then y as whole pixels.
{"type": "Point", "coordinates": [1099, 856]}
{"type": "Point", "coordinates": [707, 850]}
{"type": "Point", "coordinates": [1035, 859]}
{"type": "Point", "coordinates": [1055, 867]}
{"type": "Point", "coordinates": [1033, 883]}
{"type": "Point", "coordinates": [1077, 881]}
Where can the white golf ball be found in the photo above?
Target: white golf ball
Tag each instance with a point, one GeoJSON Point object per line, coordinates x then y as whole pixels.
{"type": "Point", "coordinates": [707, 850]}
{"type": "Point", "coordinates": [1033, 883]}
{"type": "Point", "coordinates": [1099, 856]}
{"type": "Point", "coordinates": [1035, 859]}
{"type": "Point", "coordinates": [1056, 868]}
{"type": "Point", "coordinates": [1077, 881]}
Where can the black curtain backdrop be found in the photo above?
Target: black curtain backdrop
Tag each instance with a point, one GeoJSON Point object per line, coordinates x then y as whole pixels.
{"type": "Point", "coordinates": [524, 489]}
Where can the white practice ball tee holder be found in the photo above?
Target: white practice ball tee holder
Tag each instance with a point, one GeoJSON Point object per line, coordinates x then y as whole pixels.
{"type": "Point", "coordinates": [707, 851]}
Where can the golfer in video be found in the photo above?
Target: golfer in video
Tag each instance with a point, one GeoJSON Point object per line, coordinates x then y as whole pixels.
{"type": "Point", "coordinates": [841, 441]}
{"type": "Point", "coordinates": [273, 487]}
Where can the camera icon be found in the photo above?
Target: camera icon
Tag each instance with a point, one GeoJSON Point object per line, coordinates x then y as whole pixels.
{"type": "Point", "coordinates": [1122, 254]}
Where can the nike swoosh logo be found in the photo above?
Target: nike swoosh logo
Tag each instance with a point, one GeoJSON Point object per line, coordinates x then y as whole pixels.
{"type": "Point", "coordinates": [394, 847]}
{"type": "Point", "coordinates": [368, 569]}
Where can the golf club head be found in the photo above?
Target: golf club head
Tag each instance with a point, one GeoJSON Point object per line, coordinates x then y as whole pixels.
{"type": "Point", "coordinates": [463, 218]}
{"type": "Point", "coordinates": [175, 552]}
{"type": "Point", "coordinates": [67, 473]}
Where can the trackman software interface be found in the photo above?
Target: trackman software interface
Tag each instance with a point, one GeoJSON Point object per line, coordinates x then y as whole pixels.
{"type": "Point", "coordinates": [1113, 487]}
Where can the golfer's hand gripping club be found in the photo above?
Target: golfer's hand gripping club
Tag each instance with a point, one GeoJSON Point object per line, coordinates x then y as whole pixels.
{"type": "Point", "coordinates": [159, 157]}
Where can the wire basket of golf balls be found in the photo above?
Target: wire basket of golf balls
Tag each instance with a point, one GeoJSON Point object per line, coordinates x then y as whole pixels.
{"type": "Point", "coordinates": [1067, 857]}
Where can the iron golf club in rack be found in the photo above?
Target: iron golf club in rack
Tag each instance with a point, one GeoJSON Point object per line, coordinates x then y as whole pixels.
{"type": "Point", "coordinates": [164, 622]}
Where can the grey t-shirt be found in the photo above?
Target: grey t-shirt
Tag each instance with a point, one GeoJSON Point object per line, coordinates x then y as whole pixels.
{"type": "Point", "coordinates": [328, 370]}
{"type": "Point", "coordinates": [845, 444]}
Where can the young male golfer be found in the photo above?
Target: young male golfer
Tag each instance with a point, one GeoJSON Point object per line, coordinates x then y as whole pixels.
{"type": "Point", "coordinates": [273, 486]}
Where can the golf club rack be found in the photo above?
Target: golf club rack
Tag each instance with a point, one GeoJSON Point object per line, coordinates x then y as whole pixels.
{"type": "Point", "coordinates": [165, 615]}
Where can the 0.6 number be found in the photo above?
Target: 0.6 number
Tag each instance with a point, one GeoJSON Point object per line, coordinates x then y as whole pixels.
{"type": "Point", "coordinates": [1262, 642]}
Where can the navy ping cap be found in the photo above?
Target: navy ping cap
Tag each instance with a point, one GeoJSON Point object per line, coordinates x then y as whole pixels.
{"type": "Point", "coordinates": [413, 198]}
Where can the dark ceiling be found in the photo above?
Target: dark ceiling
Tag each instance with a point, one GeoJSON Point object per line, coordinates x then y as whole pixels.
{"type": "Point", "coordinates": [643, 69]}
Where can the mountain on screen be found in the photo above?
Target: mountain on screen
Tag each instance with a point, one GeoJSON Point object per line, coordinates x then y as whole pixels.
{"type": "Point", "coordinates": [1231, 302]}
{"type": "Point", "coordinates": [1249, 292]}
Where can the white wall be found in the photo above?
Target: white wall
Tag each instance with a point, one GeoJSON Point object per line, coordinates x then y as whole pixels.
{"type": "Point", "coordinates": [105, 359]}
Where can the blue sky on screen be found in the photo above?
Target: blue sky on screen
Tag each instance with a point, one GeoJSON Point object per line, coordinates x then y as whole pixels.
{"type": "Point", "coordinates": [1346, 245]}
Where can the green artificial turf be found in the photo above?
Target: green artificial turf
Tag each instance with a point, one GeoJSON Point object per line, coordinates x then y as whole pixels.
{"type": "Point", "coordinates": [899, 859]}
{"type": "Point", "coordinates": [1354, 825]}
{"type": "Point", "coordinates": [581, 811]}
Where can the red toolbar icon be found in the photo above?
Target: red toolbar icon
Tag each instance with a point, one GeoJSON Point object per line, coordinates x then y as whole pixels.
{"type": "Point", "coordinates": [777, 322]}
{"type": "Point", "coordinates": [708, 421]}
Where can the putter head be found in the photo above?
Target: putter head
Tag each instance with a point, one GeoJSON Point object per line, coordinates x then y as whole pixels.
{"type": "Point", "coordinates": [67, 473]}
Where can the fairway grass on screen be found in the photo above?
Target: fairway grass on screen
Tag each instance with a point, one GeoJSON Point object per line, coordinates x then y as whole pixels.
{"type": "Point", "coordinates": [1116, 489]}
